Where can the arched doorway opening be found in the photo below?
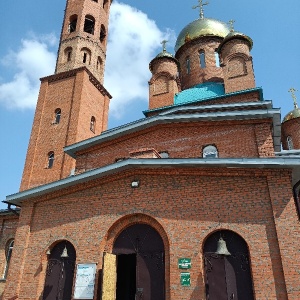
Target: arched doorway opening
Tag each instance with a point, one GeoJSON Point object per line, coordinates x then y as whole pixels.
{"type": "Point", "coordinates": [60, 272]}
{"type": "Point", "coordinates": [227, 276]}
{"type": "Point", "coordinates": [139, 257]}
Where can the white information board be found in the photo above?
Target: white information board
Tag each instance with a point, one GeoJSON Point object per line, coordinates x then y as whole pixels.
{"type": "Point", "coordinates": [85, 281]}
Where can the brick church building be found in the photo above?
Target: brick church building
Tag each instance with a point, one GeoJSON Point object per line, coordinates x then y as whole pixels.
{"type": "Point", "coordinates": [198, 200]}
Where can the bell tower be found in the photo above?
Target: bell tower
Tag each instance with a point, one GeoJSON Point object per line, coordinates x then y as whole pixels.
{"type": "Point", "coordinates": [72, 104]}
{"type": "Point", "coordinates": [84, 37]}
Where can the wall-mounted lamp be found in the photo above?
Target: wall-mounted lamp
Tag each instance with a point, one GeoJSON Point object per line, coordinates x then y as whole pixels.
{"type": "Point", "coordinates": [48, 252]}
{"type": "Point", "coordinates": [135, 183]}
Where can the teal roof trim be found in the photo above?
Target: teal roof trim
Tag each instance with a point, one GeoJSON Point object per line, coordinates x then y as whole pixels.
{"type": "Point", "coordinates": [258, 89]}
{"type": "Point", "coordinates": [199, 92]}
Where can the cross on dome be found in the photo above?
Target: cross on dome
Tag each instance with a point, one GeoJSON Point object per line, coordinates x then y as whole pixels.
{"type": "Point", "coordinates": [164, 42]}
{"type": "Point", "coordinates": [201, 5]}
{"type": "Point", "coordinates": [231, 22]}
{"type": "Point", "coordinates": [293, 93]}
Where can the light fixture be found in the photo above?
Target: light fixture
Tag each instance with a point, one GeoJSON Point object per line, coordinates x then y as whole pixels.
{"type": "Point", "coordinates": [135, 184]}
{"type": "Point", "coordinates": [222, 247]}
{"type": "Point", "coordinates": [48, 251]}
{"type": "Point", "coordinates": [65, 253]}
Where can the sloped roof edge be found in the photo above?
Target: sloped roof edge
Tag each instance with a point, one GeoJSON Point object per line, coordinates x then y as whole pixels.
{"type": "Point", "coordinates": [261, 163]}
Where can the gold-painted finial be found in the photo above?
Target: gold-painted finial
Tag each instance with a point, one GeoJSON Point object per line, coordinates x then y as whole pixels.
{"type": "Point", "coordinates": [231, 22]}
{"type": "Point", "coordinates": [293, 92]}
{"type": "Point", "coordinates": [164, 42]}
{"type": "Point", "coordinates": [201, 5]}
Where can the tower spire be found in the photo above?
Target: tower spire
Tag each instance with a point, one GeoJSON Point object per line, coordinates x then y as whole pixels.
{"type": "Point", "coordinates": [200, 6]}
{"type": "Point", "coordinates": [293, 93]}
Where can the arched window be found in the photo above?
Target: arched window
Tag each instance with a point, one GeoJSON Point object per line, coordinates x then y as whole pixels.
{"type": "Point", "coordinates": [210, 151]}
{"type": "Point", "coordinates": [290, 144]}
{"type": "Point", "coordinates": [50, 159]}
{"type": "Point", "coordinates": [217, 58]}
{"type": "Point", "coordinates": [227, 267]}
{"type": "Point", "coordinates": [188, 65]}
{"type": "Point", "coordinates": [60, 272]}
{"type": "Point", "coordinates": [202, 59]}
{"type": "Point", "coordinates": [102, 33]}
{"type": "Point", "coordinates": [57, 116]}
{"type": "Point", "coordinates": [89, 24]}
{"type": "Point", "coordinates": [86, 56]}
{"type": "Point", "coordinates": [68, 54]}
{"type": "Point", "coordinates": [105, 4]}
{"type": "Point", "coordinates": [72, 23]}
{"type": "Point", "coordinates": [8, 252]}
{"type": "Point", "coordinates": [99, 63]}
{"type": "Point", "coordinates": [93, 124]}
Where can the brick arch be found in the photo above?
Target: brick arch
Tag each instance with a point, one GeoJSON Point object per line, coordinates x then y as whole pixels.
{"type": "Point", "coordinates": [126, 221]}
{"type": "Point", "coordinates": [165, 74]}
{"type": "Point", "coordinates": [236, 65]}
{"type": "Point", "coordinates": [221, 229]}
{"type": "Point", "coordinates": [129, 220]}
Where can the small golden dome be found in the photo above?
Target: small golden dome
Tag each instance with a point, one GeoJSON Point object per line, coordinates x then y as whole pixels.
{"type": "Point", "coordinates": [202, 27]}
{"type": "Point", "coordinates": [163, 54]}
{"type": "Point", "coordinates": [236, 35]}
{"type": "Point", "coordinates": [294, 114]}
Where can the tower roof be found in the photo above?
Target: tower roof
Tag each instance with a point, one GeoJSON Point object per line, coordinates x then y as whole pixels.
{"type": "Point", "coordinates": [202, 27]}
{"type": "Point", "coordinates": [295, 113]}
{"type": "Point", "coordinates": [237, 35]}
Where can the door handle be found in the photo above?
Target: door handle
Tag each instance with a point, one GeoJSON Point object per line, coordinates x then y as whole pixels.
{"type": "Point", "coordinates": [232, 296]}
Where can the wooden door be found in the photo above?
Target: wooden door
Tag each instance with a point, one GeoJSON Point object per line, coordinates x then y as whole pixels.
{"type": "Point", "coordinates": [146, 244]}
{"type": "Point", "coordinates": [60, 273]}
{"type": "Point", "coordinates": [228, 277]}
{"type": "Point", "coordinates": [109, 277]}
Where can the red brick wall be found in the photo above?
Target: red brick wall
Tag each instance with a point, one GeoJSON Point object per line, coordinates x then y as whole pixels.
{"type": "Point", "coordinates": [197, 74]}
{"type": "Point", "coordinates": [185, 206]}
{"type": "Point", "coordinates": [78, 100]}
{"type": "Point", "coordinates": [237, 66]}
{"type": "Point", "coordinates": [185, 140]}
{"type": "Point", "coordinates": [291, 128]}
{"type": "Point", "coordinates": [9, 223]}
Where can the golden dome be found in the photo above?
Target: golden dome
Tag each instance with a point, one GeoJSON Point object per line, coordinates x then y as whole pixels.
{"type": "Point", "coordinates": [294, 114]}
{"type": "Point", "coordinates": [202, 27]}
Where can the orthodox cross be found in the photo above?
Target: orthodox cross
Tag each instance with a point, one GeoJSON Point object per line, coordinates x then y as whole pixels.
{"type": "Point", "coordinates": [231, 22]}
{"type": "Point", "coordinates": [293, 91]}
{"type": "Point", "coordinates": [164, 42]}
{"type": "Point", "coordinates": [201, 5]}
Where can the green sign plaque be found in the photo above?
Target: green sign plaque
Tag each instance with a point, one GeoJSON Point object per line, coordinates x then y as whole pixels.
{"type": "Point", "coordinates": [184, 263]}
{"type": "Point", "coordinates": [185, 279]}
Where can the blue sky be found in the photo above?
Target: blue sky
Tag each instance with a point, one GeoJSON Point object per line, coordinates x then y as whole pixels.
{"type": "Point", "coordinates": [30, 31]}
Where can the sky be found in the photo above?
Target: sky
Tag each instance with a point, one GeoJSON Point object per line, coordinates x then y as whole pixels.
{"type": "Point", "coordinates": [30, 32]}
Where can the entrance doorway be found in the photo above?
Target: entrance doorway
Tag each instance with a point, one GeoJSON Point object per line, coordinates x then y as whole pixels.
{"type": "Point", "coordinates": [139, 263]}
{"type": "Point", "coordinates": [60, 272]}
{"type": "Point", "coordinates": [228, 277]}
{"type": "Point", "coordinates": [126, 276]}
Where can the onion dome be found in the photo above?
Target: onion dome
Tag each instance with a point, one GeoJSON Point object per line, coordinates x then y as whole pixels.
{"type": "Point", "coordinates": [295, 113]}
{"type": "Point", "coordinates": [163, 54]}
{"type": "Point", "coordinates": [202, 27]}
{"type": "Point", "coordinates": [237, 35]}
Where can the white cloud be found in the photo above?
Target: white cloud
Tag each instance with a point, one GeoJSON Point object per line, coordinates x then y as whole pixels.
{"type": "Point", "coordinates": [134, 40]}
{"type": "Point", "coordinates": [32, 61]}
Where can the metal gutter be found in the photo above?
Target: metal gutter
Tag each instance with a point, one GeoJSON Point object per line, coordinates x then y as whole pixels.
{"type": "Point", "coordinates": [241, 163]}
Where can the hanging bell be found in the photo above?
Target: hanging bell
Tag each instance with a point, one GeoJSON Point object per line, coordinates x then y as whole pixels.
{"type": "Point", "coordinates": [222, 247]}
{"type": "Point", "coordinates": [64, 253]}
